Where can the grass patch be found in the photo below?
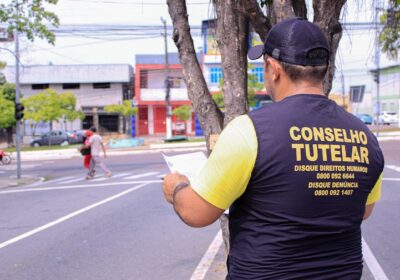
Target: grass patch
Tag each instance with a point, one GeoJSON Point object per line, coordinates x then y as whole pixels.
{"type": "Point", "coordinates": [197, 139]}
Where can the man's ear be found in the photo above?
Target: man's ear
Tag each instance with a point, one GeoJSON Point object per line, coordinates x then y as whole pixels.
{"type": "Point", "coordinates": [275, 69]}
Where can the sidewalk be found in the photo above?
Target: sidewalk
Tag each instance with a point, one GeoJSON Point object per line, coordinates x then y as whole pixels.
{"type": "Point", "coordinates": [150, 143]}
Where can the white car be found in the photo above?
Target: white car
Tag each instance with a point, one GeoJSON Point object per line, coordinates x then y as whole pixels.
{"type": "Point", "coordinates": [388, 118]}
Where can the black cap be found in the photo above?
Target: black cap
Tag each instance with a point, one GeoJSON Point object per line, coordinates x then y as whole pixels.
{"type": "Point", "coordinates": [294, 41]}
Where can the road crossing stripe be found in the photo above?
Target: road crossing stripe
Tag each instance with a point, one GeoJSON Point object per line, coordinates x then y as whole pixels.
{"type": "Point", "coordinates": [121, 175]}
{"type": "Point", "coordinates": [391, 179]}
{"type": "Point", "coordinates": [81, 186]}
{"type": "Point", "coordinates": [99, 179]}
{"type": "Point", "coordinates": [58, 180]}
{"type": "Point", "coordinates": [141, 175]}
{"type": "Point", "coordinates": [393, 167]}
{"type": "Point", "coordinates": [72, 180]}
{"type": "Point", "coordinates": [69, 216]}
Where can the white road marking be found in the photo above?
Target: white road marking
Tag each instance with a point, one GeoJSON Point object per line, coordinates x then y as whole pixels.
{"type": "Point", "coordinates": [372, 263]}
{"type": "Point", "coordinates": [140, 175]}
{"type": "Point", "coordinates": [59, 180]}
{"type": "Point", "coordinates": [205, 263]}
{"type": "Point", "coordinates": [79, 186]}
{"type": "Point", "coordinates": [393, 167]}
{"type": "Point", "coordinates": [67, 217]}
{"type": "Point", "coordinates": [73, 180]}
{"type": "Point", "coordinates": [99, 179]}
{"type": "Point", "coordinates": [121, 175]}
{"type": "Point", "coordinates": [391, 179]}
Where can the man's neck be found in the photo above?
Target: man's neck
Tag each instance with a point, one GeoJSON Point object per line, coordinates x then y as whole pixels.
{"type": "Point", "coordinates": [301, 88]}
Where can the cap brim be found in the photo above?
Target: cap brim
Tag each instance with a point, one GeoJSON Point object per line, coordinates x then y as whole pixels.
{"type": "Point", "coordinates": [255, 52]}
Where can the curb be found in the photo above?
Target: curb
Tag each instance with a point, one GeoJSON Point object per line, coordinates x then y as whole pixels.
{"type": "Point", "coordinates": [24, 181]}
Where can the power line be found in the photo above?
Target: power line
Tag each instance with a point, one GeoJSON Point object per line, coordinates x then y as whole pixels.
{"type": "Point", "coordinates": [135, 3]}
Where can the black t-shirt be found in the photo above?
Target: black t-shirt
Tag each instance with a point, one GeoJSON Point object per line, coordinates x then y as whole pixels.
{"type": "Point", "coordinates": [300, 215]}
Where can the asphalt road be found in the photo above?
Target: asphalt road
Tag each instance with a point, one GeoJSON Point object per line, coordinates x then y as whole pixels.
{"type": "Point", "coordinates": [121, 228]}
{"type": "Point", "coordinates": [106, 228]}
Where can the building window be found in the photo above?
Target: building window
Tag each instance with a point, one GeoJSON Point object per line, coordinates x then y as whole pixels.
{"type": "Point", "coordinates": [259, 72]}
{"type": "Point", "coordinates": [101, 85]}
{"type": "Point", "coordinates": [71, 86]}
{"type": "Point", "coordinates": [40, 86]}
{"type": "Point", "coordinates": [143, 78]}
{"type": "Point", "coordinates": [216, 75]}
{"type": "Point", "coordinates": [126, 92]}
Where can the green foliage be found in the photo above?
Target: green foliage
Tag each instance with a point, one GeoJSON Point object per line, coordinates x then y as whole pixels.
{"type": "Point", "coordinates": [218, 99]}
{"type": "Point", "coordinates": [253, 86]}
{"type": "Point", "coordinates": [7, 118]}
{"type": "Point", "coordinates": [390, 35]}
{"type": "Point", "coordinates": [48, 106]}
{"type": "Point", "coordinates": [183, 113]}
{"type": "Point", "coordinates": [68, 105]}
{"type": "Point", "coordinates": [2, 77]}
{"type": "Point", "coordinates": [8, 91]}
{"type": "Point", "coordinates": [29, 17]}
{"type": "Point", "coordinates": [124, 109]}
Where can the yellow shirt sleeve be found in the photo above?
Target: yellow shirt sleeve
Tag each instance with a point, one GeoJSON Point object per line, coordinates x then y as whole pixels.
{"type": "Point", "coordinates": [225, 176]}
{"type": "Point", "coordinates": [376, 192]}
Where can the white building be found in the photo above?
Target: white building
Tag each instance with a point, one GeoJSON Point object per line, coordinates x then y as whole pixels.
{"type": "Point", "coordinates": [94, 86]}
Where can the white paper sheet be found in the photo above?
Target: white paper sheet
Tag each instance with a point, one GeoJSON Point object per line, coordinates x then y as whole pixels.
{"type": "Point", "coordinates": [187, 164]}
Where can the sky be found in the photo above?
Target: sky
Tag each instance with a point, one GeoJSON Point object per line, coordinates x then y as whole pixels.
{"type": "Point", "coordinates": [355, 55]}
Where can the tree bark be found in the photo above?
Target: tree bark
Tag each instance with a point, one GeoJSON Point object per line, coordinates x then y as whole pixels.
{"type": "Point", "coordinates": [332, 29]}
{"type": "Point", "coordinates": [259, 21]}
{"type": "Point", "coordinates": [299, 8]}
{"type": "Point", "coordinates": [232, 39]}
{"type": "Point", "coordinates": [280, 10]}
{"type": "Point", "coordinates": [209, 115]}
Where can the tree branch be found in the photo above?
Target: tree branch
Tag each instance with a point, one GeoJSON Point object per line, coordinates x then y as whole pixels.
{"type": "Point", "coordinates": [232, 39]}
{"type": "Point", "coordinates": [300, 8]}
{"type": "Point", "coordinates": [260, 23]}
{"type": "Point", "coordinates": [282, 9]}
{"type": "Point", "coordinates": [210, 117]}
{"type": "Point", "coordinates": [332, 29]}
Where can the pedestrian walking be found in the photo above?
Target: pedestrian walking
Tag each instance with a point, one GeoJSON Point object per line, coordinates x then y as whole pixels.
{"type": "Point", "coordinates": [86, 152]}
{"type": "Point", "coordinates": [96, 146]}
{"type": "Point", "coordinates": [298, 175]}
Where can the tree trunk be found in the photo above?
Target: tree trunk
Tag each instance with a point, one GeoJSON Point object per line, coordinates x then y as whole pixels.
{"type": "Point", "coordinates": [209, 115]}
{"type": "Point", "coordinates": [299, 8]}
{"type": "Point", "coordinates": [232, 38]}
{"type": "Point", "coordinates": [332, 29]}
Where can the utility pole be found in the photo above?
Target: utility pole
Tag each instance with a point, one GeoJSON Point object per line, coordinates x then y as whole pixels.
{"type": "Point", "coordinates": [17, 93]}
{"type": "Point", "coordinates": [377, 64]}
{"type": "Point", "coordinates": [167, 84]}
{"type": "Point", "coordinates": [343, 92]}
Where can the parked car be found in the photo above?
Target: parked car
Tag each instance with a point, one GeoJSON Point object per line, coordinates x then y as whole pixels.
{"type": "Point", "coordinates": [76, 136]}
{"type": "Point", "coordinates": [365, 118]}
{"type": "Point", "coordinates": [387, 118]}
{"type": "Point", "coordinates": [51, 138]}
